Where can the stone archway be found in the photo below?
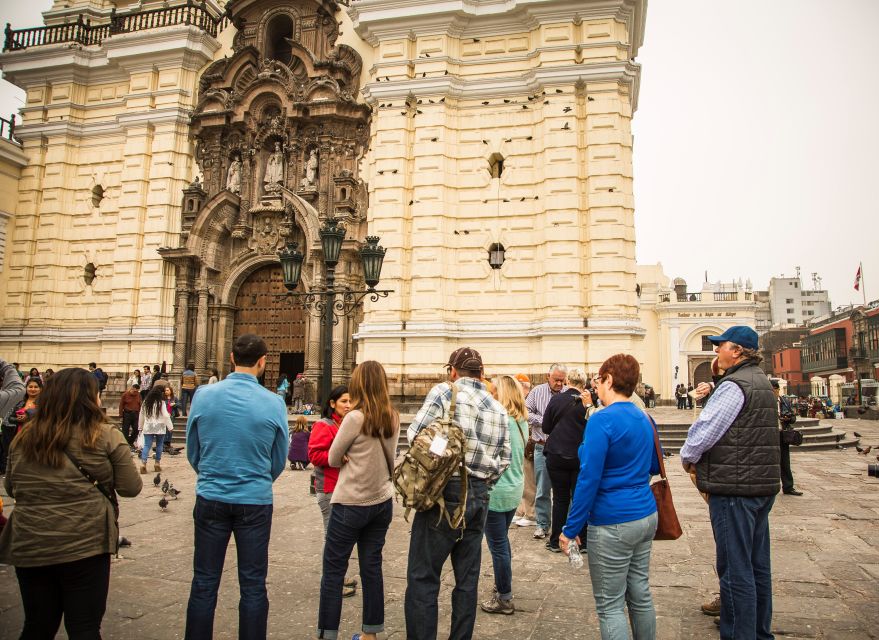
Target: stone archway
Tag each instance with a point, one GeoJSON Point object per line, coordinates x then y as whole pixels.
{"type": "Point", "coordinates": [283, 327]}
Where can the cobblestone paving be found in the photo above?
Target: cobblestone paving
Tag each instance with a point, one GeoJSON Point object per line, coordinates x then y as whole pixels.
{"type": "Point", "coordinates": [825, 553]}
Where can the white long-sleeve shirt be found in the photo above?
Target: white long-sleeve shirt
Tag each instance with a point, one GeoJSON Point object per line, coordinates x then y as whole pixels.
{"type": "Point", "coordinates": [154, 425]}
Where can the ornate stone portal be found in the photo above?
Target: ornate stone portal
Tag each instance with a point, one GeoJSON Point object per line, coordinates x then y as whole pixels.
{"type": "Point", "coordinates": [279, 137]}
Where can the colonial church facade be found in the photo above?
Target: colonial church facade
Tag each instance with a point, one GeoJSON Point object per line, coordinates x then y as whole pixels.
{"type": "Point", "coordinates": [173, 148]}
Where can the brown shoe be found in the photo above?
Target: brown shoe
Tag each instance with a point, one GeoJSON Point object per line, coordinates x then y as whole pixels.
{"type": "Point", "coordinates": [143, 469]}
{"type": "Point", "coordinates": [712, 608]}
{"type": "Point", "coordinates": [156, 467]}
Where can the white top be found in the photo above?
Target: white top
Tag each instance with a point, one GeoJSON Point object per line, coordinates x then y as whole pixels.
{"type": "Point", "coordinates": [154, 425]}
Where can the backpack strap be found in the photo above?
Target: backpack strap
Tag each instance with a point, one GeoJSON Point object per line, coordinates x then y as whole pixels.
{"type": "Point", "coordinates": [452, 402]}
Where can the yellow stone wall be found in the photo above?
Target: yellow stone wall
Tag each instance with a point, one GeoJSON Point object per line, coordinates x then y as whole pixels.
{"type": "Point", "coordinates": [554, 95]}
{"type": "Point", "coordinates": [114, 117]}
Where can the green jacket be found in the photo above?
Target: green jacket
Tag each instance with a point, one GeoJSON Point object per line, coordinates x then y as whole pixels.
{"type": "Point", "coordinates": [58, 515]}
{"type": "Point", "coordinates": [507, 491]}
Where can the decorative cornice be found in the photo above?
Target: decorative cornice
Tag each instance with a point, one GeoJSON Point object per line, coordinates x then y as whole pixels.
{"type": "Point", "coordinates": [12, 152]}
{"type": "Point", "coordinates": [501, 331]}
{"type": "Point", "coordinates": [529, 83]}
{"type": "Point", "coordinates": [376, 20]}
{"type": "Point", "coordinates": [115, 127]}
{"type": "Point", "coordinates": [57, 335]}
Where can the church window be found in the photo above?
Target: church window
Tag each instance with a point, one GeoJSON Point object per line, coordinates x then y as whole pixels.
{"type": "Point", "coordinates": [97, 195]}
{"type": "Point", "coordinates": [707, 345]}
{"type": "Point", "coordinates": [496, 165]}
{"type": "Point", "coordinates": [278, 34]}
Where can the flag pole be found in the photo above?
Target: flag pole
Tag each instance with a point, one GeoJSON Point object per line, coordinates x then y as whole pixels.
{"type": "Point", "coordinates": [863, 287]}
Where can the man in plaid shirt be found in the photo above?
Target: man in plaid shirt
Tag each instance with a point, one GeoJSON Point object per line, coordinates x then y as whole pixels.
{"type": "Point", "coordinates": [484, 422]}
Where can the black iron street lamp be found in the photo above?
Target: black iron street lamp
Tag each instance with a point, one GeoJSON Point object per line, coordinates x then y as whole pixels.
{"type": "Point", "coordinates": [322, 302]}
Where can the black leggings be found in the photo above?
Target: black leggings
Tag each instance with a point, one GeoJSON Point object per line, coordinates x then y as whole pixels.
{"type": "Point", "coordinates": [77, 590]}
{"type": "Point", "coordinates": [563, 474]}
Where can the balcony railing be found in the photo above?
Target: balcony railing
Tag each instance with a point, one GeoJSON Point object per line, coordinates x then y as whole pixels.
{"type": "Point", "coordinates": [726, 296]}
{"type": "Point", "coordinates": [825, 364]}
{"type": "Point", "coordinates": [856, 353]}
{"type": "Point", "coordinates": [7, 128]}
{"type": "Point", "coordinates": [82, 32]}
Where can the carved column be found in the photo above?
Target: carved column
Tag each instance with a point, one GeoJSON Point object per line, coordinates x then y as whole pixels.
{"type": "Point", "coordinates": [223, 336]}
{"type": "Point", "coordinates": [213, 338]}
{"type": "Point", "coordinates": [201, 329]}
{"type": "Point", "coordinates": [181, 337]}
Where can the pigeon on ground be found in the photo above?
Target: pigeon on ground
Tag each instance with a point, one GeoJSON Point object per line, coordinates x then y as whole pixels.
{"type": "Point", "coordinates": [857, 435]}
{"type": "Point", "coordinates": [173, 492]}
{"type": "Point", "coordinates": [157, 479]}
{"type": "Point", "coordinates": [163, 503]}
{"type": "Point", "coordinates": [165, 486]}
{"type": "Point", "coordinates": [863, 451]}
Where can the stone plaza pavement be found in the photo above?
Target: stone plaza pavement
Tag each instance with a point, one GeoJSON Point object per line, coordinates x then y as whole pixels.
{"type": "Point", "coordinates": [825, 552]}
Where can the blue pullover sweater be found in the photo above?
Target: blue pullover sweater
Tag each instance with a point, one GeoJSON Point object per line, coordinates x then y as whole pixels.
{"type": "Point", "coordinates": [236, 440]}
{"type": "Point", "coordinates": [617, 458]}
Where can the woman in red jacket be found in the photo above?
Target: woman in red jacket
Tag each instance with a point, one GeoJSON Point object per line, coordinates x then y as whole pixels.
{"type": "Point", "coordinates": [324, 477]}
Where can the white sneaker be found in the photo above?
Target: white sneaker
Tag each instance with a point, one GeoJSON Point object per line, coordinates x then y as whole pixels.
{"type": "Point", "coordinates": [524, 522]}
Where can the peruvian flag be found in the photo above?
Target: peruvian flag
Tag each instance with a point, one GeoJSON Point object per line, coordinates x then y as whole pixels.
{"type": "Point", "coordinates": [858, 279]}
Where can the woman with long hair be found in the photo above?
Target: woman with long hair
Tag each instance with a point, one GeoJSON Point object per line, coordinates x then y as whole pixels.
{"type": "Point", "coordinates": [505, 497]}
{"type": "Point", "coordinates": [21, 412]}
{"type": "Point", "coordinates": [169, 399]}
{"type": "Point", "coordinates": [325, 476]}
{"type": "Point", "coordinates": [613, 493]}
{"type": "Point", "coordinates": [154, 421]}
{"type": "Point", "coordinates": [34, 374]}
{"type": "Point", "coordinates": [63, 529]}
{"type": "Point", "coordinates": [363, 505]}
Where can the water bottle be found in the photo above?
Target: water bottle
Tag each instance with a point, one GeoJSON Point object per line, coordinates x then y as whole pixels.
{"type": "Point", "coordinates": [574, 556]}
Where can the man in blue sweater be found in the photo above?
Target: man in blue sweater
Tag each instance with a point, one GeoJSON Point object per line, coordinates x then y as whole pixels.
{"type": "Point", "coordinates": [236, 440]}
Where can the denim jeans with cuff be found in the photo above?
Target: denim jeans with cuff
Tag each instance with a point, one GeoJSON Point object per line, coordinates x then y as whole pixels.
{"type": "Point", "coordinates": [497, 527]}
{"type": "Point", "coordinates": [365, 527]}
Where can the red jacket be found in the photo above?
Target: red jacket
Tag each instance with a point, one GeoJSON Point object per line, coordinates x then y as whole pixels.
{"type": "Point", "coordinates": [322, 435]}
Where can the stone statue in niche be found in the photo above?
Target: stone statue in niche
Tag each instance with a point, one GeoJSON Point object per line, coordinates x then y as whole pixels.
{"type": "Point", "coordinates": [310, 170]}
{"type": "Point", "coordinates": [274, 169]}
{"type": "Point", "coordinates": [233, 177]}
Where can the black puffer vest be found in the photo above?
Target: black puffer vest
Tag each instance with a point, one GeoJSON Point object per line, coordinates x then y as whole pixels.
{"type": "Point", "coordinates": [744, 462]}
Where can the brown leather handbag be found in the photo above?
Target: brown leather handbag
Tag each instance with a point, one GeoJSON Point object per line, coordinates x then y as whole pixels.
{"type": "Point", "coordinates": [667, 525]}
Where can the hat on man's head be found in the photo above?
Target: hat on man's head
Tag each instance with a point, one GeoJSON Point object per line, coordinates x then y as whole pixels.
{"type": "Point", "coordinates": [774, 383]}
{"type": "Point", "coordinates": [465, 359]}
{"type": "Point", "coordinates": [741, 335]}
{"type": "Point", "coordinates": [521, 377]}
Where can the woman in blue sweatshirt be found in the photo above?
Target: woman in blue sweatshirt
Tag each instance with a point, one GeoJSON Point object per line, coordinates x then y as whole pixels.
{"type": "Point", "coordinates": [613, 495]}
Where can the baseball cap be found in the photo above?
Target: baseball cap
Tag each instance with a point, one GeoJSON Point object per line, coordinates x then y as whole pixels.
{"type": "Point", "coordinates": [521, 377]}
{"type": "Point", "coordinates": [741, 335]}
{"type": "Point", "coordinates": [465, 359]}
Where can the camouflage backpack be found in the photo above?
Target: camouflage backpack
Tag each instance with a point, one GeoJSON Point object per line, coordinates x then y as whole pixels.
{"type": "Point", "coordinates": [437, 452]}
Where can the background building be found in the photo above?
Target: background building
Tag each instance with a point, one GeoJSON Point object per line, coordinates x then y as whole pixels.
{"type": "Point", "coordinates": [790, 305]}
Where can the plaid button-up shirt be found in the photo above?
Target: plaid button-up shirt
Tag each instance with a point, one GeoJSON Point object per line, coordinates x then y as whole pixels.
{"type": "Point", "coordinates": [483, 419]}
{"type": "Point", "coordinates": [716, 418]}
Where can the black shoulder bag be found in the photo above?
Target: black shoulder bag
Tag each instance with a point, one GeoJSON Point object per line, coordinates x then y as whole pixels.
{"type": "Point", "coordinates": [110, 495]}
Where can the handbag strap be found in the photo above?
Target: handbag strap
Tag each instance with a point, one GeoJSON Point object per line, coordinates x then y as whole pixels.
{"type": "Point", "coordinates": [107, 494]}
{"type": "Point", "coordinates": [657, 447]}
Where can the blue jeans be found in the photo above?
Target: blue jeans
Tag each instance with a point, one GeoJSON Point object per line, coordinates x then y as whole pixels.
{"type": "Point", "coordinates": [252, 526]}
{"type": "Point", "coordinates": [365, 527]}
{"type": "Point", "coordinates": [619, 565]}
{"type": "Point", "coordinates": [148, 439]}
{"type": "Point", "coordinates": [433, 541]}
{"type": "Point", "coordinates": [543, 500]}
{"type": "Point", "coordinates": [186, 396]}
{"type": "Point", "coordinates": [497, 526]}
{"type": "Point", "coordinates": [741, 535]}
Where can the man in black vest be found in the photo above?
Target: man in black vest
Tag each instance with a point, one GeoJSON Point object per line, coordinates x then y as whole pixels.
{"type": "Point", "coordinates": [733, 449]}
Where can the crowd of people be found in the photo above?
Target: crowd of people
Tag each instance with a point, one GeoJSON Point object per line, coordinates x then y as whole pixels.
{"type": "Point", "coordinates": [573, 457]}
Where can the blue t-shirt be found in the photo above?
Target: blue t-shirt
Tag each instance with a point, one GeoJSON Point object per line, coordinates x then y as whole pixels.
{"type": "Point", "coordinates": [617, 458]}
{"type": "Point", "coordinates": [236, 440]}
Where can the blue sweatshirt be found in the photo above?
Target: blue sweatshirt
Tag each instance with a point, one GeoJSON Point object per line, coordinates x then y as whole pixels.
{"type": "Point", "coordinates": [617, 458]}
{"type": "Point", "coordinates": [236, 440]}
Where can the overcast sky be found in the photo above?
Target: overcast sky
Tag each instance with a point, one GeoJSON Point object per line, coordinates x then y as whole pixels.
{"type": "Point", "coordinates": [755, 139]}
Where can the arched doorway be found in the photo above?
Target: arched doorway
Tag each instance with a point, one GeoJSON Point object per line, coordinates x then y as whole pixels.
{"type": "Point", "coordinates": [702, 373]}
{"type": "Point", "coordinates": [280, 325]}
